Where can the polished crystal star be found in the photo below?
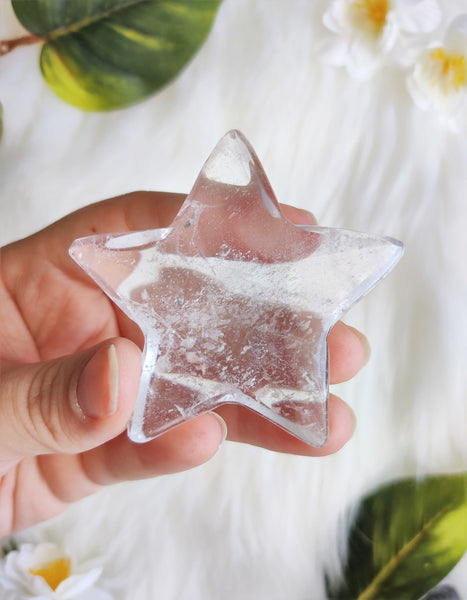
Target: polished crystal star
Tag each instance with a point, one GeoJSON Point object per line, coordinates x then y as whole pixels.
{"type": "Point", "coordinates": [235, 302]}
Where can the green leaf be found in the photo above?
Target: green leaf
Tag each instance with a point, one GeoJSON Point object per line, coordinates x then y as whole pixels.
{"type": "Point", "coordinates": [8, 546]}
{"type": "Point", "coordinates": [406, 537]}
{"type": "Point", "coordinates": [107, 54]}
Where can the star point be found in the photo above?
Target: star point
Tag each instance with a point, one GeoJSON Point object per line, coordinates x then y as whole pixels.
{"type": "Point", "coordinates": [235, 302]}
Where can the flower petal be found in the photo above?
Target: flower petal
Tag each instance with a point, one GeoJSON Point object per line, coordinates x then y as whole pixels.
{"type": "Point", "coordinates": [456, 35]}
{"type": "Point", "coordinates": [335, 18]}
{"type": "Point", "coordinates": [363, 60]}
{"type": "Point", "coordinates": [428, 91]}
{"type": "Point", "coordinates": [75, 585]}
{"type": "Point", "coordinates": [390, 34]}
{"type": "Point", "coordinates": [18, 583]}
{"type": "Point", "coordinates": [422, 17]}
{"type": "Point", "coordinates": [419, 95]}
{"type": "Point", "coordinates": [45, 553]}
{"type": "Point", "coordinates": [15, 574]}
{"type": "Point", "coordinates": [333, 51]}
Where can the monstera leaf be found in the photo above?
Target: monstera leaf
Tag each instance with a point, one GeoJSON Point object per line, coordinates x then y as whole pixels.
{"type": "Point", "coordinates": [107, 54]}
{"type": "Point", "coordinates": [406, 538]}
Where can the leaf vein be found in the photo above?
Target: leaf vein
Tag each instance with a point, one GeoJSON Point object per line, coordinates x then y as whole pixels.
{"type": "Point", "coordinates": [371, 591]}
{"type": "Point", "coordinates": [74, 27]}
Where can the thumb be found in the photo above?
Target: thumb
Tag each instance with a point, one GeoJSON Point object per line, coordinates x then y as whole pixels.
{"type": "Point", "coordinates": [69, 404]}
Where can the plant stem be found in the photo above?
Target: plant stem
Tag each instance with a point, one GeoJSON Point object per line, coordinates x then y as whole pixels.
{"type": "Point", "coordinates": [9, 45]}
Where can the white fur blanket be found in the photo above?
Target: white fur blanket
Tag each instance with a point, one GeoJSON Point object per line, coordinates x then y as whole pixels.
{"type": "Point", "coordinates": [252, 524]}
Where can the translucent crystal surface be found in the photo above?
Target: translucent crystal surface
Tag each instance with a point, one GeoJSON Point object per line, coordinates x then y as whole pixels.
{"type": "Point", "coordinates": [235, 302]}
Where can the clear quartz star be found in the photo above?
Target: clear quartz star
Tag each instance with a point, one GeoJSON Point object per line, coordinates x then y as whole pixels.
{"type": "Point", "coordinates": [235, 302]}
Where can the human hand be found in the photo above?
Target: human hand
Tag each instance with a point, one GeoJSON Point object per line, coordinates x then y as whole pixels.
{"type": "Point", "coordinates": [70, 368]}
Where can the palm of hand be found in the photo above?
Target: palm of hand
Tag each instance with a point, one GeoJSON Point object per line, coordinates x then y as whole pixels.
{"type": "Point", "coordinates": [50, 453]}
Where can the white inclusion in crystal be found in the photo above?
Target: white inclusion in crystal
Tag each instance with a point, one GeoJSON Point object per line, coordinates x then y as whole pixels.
{"type": "Point", "coordinates": [235, 302]}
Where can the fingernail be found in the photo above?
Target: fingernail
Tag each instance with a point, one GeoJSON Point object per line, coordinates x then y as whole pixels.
{"type": "Point", "coordinates": [223, 425]}
{"type": "Point", "coordinates": [97, 389]}
{"type": "Point", "coordinates": [304, 217]}
{"type": "Point", "coordinates": [364, 341]}
{"type": "Point", "coordinates": [312, 220]}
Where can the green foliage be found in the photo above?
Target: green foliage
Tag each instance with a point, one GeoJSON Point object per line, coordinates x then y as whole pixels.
{"type": "Point", "coordinates": [406, 537]}
{"type": "Point", "coordinates": [8, 546]}
{"type": "Point", "coordinates": [107, 54]}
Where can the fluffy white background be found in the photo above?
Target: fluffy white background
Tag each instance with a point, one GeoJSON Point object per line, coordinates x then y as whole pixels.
{"type": "Point", "coordinates": [253, 524]}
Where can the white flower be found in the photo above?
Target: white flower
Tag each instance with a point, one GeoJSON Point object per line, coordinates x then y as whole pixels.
{"type": "Point", "coordinates": [438, 81]}
{"type": "Point", "coordinates": [45, 572]}
{"type": "Point", "coordinates": [367, 32]}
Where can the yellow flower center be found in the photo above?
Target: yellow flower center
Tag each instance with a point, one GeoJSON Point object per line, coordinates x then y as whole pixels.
{"type": "Point", "coordinates": [370, 15]}
{"type": "Point", "coordinates": [55, 572]}
{"type": "Point", "coordinates": [452, 69]}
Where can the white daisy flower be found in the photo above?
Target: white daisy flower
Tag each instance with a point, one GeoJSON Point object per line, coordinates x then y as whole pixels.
{"type": "Point", "coordinates": [368, 31]}
{"type": "Point", "coordinates": [438, 81]}
{"type": "Point", "coordinates": [45, 572]}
